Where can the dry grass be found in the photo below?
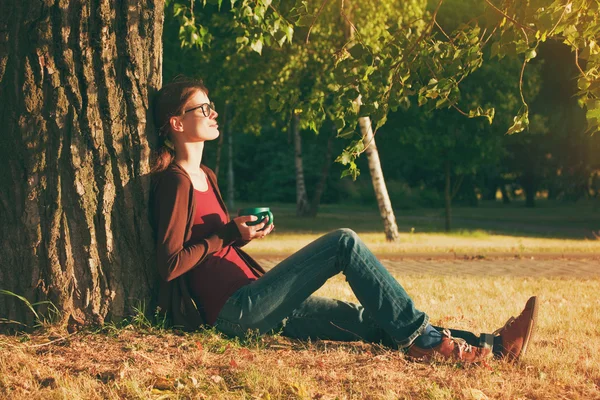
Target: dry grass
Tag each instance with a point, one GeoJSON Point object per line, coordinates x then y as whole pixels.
{"type": "Point", "coordinates": [468, 243]}
{"type": "Point", "coordinates": [563, 360]}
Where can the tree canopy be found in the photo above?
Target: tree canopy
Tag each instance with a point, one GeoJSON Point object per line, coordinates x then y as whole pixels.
{"type": "Point", "coordinates": [399, 51]}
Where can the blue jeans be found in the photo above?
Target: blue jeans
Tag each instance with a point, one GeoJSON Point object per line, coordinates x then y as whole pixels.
{"type": "Point", "coordinates": [282, 298]}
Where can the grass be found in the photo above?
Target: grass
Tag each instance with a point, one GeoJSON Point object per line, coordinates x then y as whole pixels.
{"type": "Point", "coordinates": [137, 362]}
{"type": "Point", "coordinates": [489, 229]}
{"type": "Point", "coordinates": [142, 360]}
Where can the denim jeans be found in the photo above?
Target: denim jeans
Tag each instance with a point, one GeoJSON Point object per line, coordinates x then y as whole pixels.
{"type": "Point", "coordinates": [282, 298]}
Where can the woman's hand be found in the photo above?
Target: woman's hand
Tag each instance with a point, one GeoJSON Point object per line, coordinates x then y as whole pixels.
{"type": "Point", "coordinates": [253, 231]}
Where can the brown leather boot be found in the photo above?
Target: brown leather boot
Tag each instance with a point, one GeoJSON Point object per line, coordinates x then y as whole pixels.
{"type": "Point", "coordinates": [517, 332]}
{"type": "Point", "coordinates": [451, 349]}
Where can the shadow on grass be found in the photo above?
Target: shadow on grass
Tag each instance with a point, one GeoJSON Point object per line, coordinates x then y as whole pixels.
{"type": "Point", "coordinates": [575, 221]}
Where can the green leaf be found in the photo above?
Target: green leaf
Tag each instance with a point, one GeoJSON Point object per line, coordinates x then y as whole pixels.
{"type": "Point", "coordinates": [520, 122]}
{"type": "Point", "coordinates": [593, 110]}
{"type": "Point", "coordinates": [352, 171]}
{"type": "Point", "coordinates": [257, 46]}
{"type": "Point", "coordinates": [345, 158]}
{"type": "Point", "coordinates": [478, 112]}
{"type": "Point", "coordinates": [357, 51]}
{"type": "Point", "coordinates": [583, 83]}
{"type": "Point", "coordinates": [530, 54]}
{"type": "Point", "coordinates": [289, 32]}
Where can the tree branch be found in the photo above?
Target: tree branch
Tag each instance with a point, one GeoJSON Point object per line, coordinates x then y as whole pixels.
{"type": "Point", "coordinates": [459, 110]}
{"type": "Point", "coordinates": [558, 22]}
{"type": "Point", "coordinates": [315, 19]}
{"type": "Point", "coordinates": [445, 34]}
{"type": "Point", "coordinates": [577, 61]}
{"type": "Point", "coordinates": [343, 14]}
{"type": "Point", "coordinates": [521, 81]}
{"type": "Point", "coordinates": [514, 21]}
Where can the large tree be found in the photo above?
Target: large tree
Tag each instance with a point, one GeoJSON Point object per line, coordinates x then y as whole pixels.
{"type": "Point", "coordinates": [75, 79]}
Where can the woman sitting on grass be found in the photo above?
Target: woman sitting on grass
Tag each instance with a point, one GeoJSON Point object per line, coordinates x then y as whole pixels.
{"type": "Point", "coordinates": [208, 280]}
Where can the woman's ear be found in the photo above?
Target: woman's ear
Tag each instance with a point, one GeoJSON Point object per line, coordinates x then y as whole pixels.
{"type": "Point", "coordinates": [176, 124]}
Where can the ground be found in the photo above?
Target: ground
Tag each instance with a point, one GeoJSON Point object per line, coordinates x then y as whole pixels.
{"type": "Point", "coordinates": [471, 279]}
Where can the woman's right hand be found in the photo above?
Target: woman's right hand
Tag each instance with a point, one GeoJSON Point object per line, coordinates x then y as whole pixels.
{"type": "Point", "coordinates": [253, 231]}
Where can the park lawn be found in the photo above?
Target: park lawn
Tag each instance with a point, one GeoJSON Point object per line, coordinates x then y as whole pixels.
{"type": "Point", "coordinates": [141, 362]}
{"type": "Point", "coordinates": [486, 230]}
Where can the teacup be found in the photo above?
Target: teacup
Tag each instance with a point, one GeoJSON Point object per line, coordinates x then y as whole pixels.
{"type": "Point", "coordinates": [260, 212]}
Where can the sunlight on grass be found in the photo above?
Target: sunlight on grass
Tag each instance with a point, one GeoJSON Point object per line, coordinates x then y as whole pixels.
{"type": "Point", "coordinates": [477, 233]}
{"type": "Point", "coordinates": [563, 360]}
{"type": "Point", "coordinates": [461, 242]}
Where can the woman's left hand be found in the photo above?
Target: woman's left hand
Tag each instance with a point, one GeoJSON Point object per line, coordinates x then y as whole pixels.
{"type": "Point", "coordinates": [250, 232]}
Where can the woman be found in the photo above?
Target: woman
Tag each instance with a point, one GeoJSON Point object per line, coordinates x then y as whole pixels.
{"type": "Point", "coordinates": [208, 280]}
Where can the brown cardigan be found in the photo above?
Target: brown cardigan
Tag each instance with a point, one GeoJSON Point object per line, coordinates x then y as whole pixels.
{"type": "Point", "coordinates": [172, 209]}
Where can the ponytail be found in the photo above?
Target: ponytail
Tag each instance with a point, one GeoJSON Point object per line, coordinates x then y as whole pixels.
{"type": "Point", "coordinates": [163, 158]}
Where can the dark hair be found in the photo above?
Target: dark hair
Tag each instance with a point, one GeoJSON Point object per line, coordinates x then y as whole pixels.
{"type": "Point", "coordinates": [169, 102]}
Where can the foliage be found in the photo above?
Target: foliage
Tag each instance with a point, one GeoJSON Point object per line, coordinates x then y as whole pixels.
{"type": "Point", "coordinates": [399, 52]}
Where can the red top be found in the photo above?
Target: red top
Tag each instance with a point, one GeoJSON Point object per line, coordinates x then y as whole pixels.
{"type": "Point", "coordinates": [222, 273]}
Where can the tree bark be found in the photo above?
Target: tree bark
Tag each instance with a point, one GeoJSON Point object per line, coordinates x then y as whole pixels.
{"type": "Point", "coordinates": [75, 79]}
{"type": "Point", "coordinates": [381, 194]}
{"type": "Point", "coordinates": [447, 196]}
{"type": "Point", "coordinates": [302, 206]}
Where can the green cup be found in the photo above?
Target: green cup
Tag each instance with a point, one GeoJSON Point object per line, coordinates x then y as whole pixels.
{"type": "Point", "coordinates": [260, 212]}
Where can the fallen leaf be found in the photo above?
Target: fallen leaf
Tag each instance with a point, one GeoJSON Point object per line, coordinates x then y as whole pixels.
{"type": "Point", "coordinates": [474, 394]}
{"type": "Point", "coordinates": [199, 346]}
{"type": "Point", "coordinates": [216, 378]}
{"type": "Point", "coordinates": [247, 354]}
{"type": "Point", "coordinates": [162, 384]}
{"type": "Point", "coordinates": [233, 364]}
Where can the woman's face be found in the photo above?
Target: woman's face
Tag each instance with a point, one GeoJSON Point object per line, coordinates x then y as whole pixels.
{"type": "Point", "coordinates": [194, 126]}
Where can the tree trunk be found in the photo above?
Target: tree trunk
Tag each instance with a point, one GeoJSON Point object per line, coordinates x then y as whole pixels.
{"type": "Point", "coordinates": [381, 194]}
{"type": "Point", "coordinates": [528, 182]}
{"type": "Point", "coordinates": [383, 199]}
{"type": "Point", "coordinates": [505, 195]}
{"type": "Point", "coordinates": [230, 175]}
{"type": "Point", "coordinates": [302, 206]}
{"type": "Point", "coordinates": [75, 79]}
{"type": "Point", "coordinates": [447, 196]}
{"type": "Point", "coordinates": [320, 188]}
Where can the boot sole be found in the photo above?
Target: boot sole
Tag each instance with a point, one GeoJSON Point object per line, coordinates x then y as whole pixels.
{"type": "Point", "coordinates": [532, 326]}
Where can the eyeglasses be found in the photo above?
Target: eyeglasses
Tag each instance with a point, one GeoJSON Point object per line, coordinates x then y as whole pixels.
{"type": "Point", "coordinates": [206, 108]}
